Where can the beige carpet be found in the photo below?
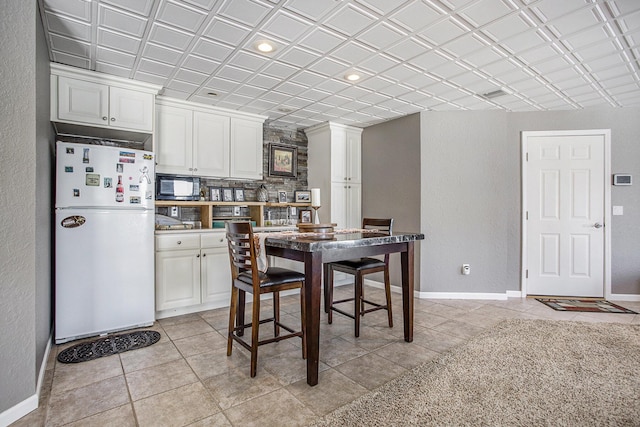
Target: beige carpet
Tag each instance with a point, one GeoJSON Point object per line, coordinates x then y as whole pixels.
{"type": "Point", "coordinates": [522, 373]}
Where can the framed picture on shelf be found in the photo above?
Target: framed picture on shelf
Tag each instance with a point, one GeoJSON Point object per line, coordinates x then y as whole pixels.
{"type": "Point", "coordinates": [214, 194]}
{"type": "Point", "coordinates": [282, 197]}
{"type": "Point", "coordinates": [238, 194]}
{"type": "Point", "coordinates": [227, 194]}
{"type": "Point", "coordinates": [283, 161]}
{"type": "Point", "coordinates": [302, 196]}
{"type": "Point", "coordinates": [305, 216]}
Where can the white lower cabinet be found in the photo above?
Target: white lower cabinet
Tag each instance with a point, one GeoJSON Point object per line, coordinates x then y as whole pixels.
{"type": "Point", "coordinates": [192, 273]}
{"type": "Point", "coordinates": [215, 270]}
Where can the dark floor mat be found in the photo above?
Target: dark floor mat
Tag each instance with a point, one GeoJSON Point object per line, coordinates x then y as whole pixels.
{"type": "Point", "coordinates": [107, 346]}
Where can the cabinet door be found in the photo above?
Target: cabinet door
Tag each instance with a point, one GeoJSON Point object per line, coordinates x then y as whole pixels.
{"type": "Point", "coordinates": [338, 204]}
{"type": "Point", "coordinates": [177, 279]}
{"type": "Point", "coordinates": [246, 149]}
{"type": "Point", "coordinates": [174, 140]}
{"type": "Point", "coordinates": [131, 109]}
{"type": "Point", "coordinates": [85, 102]}
{"type": "Point", "coordinates": [354, 156]}
{"type": "Point", "coordinates": [339, 168]}
{"type": "Point", "coordinates": [353, 206]}
{"type": "Point", "coordinates": [216, 275]}
{"type": "Point", "coordinates": [210, 145]}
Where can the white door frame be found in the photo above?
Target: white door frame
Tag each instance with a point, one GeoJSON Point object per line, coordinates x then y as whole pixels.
{"type": "Point", "coordinates": [607, 201]}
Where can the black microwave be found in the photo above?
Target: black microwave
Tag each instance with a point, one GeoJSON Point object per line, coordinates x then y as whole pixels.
{"type": "Point", "coordinates": [173, 187]}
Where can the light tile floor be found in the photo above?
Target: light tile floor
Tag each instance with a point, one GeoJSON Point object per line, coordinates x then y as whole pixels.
{"type": "Point", "coordinates": [186, 379]}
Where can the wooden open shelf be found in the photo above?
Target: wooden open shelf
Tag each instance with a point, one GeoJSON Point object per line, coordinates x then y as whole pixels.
{"type": "Point", "coordinates": [256, 209]}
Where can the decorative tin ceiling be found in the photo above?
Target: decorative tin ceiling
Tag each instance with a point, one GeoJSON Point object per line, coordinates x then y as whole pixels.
{"type": "Point", "coordinates": [410, 55]}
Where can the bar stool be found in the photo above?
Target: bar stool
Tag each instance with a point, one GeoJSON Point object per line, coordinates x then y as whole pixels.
{"type": "Point", "coordinates": [359, 268]}
{"type": "Point", "coordinates": [246, 277]}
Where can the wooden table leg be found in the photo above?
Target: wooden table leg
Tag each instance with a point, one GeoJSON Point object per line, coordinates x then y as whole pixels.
{"type": "Point", "coordinates": [406, 260]}
{"type": "Point", "coordinates": [312, 285]}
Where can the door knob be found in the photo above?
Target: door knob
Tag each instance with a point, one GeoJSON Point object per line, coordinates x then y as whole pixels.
{"type": "Point", "coordinates": [598, 225]}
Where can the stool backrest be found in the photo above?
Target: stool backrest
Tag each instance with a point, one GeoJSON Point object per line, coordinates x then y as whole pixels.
{"type": "Point", "coordinates": [242, 251]}
{"type": "Point", "coordinates": [384, 225]}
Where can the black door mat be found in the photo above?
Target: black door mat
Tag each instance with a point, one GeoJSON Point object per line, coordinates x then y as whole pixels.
{"type": "Point", "coordinates": [107, 346]}
{"type": "Point", "coordinates": [584, 305]}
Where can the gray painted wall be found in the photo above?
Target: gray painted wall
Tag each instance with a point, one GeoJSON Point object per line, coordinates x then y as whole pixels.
{"type": "Point", "coordinates": [45, 148]}
{"type": "Point", "coordinates": [467, 198]}
{"type": "Point", "coordinates": [17, 208]}
{"type": "Point", "coordinates": [25, 177]}
{"type": "Point", "coordinates": [470, 195]}
{"type": "Point", "coordinates": [391, 177]}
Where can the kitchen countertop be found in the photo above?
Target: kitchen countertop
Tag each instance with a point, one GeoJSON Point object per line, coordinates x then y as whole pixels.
{"type": "Point", "coordinates": [221, 230]}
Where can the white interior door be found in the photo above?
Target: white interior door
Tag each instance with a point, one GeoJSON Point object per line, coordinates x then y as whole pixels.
{"type": "Point", "coordinates": [565, 212]}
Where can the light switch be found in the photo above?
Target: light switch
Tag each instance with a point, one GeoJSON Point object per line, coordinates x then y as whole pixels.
{"type": "Point", "coordinates": [618, 210]}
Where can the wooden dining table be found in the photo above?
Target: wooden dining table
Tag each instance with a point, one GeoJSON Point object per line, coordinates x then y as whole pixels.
{"type": "Point", "coordinates": [314, 251]}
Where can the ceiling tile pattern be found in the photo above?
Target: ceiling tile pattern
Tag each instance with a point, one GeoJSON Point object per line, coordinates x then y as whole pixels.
{"type": "Point", "coordinates": [412, 55]}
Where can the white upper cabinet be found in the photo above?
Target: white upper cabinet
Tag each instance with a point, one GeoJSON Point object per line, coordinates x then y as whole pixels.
{"type": "Point", "coordinates": [174, 140]}
{"type": "Point", "coordinates": [131, 109]}
{"type": "Point", "coordinates": [246, 149]}
{"type": "Point", "coordinates": [193, 139]}
{"type": "Point", "coordinates": [210, 144]}
{"type": "Point", "coordinates": [85, 98]}
{"type": "Point", "coordinates": [346, 154]}
{"type": "Point", "coordinates": [81, 101]}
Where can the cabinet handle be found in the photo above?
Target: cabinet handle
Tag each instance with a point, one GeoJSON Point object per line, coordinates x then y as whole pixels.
{"type": "Point", "coordinates": [198, 256]}
{"type": "Point", "coordinates": [113, 119]}
{"type": "Point", "coordinates": [104, 118]}
{"type": "Point", "coordinates": [179, 242]}
{"type": "Point", "coordinates": [345, 178]}
{"type": "Point", "coordinates": [204, 255]}
{"type": "Point", "coordinates": [349, 179]}
{"type": "Point", "coordinates": [195, 169]}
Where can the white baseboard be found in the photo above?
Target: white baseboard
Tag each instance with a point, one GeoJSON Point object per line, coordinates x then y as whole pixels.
{"type": "Point", "coordinates": [624, 297]}
{"type": "Point", "coordinates": [18, 411]}
{"type": "Point", "coordinates": [449, 295]}
{"type": "Point", "coordinates": [462, 295]}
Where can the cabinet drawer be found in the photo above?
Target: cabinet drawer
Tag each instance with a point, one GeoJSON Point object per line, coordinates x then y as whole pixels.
{"type": "Point", "coordinates": [177, 241]}
{"type": "Point", "coordinates": [213, 240]}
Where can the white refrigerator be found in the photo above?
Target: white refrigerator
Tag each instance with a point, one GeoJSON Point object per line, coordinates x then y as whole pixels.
{"type": "Point", "coordinates": [104, 255]}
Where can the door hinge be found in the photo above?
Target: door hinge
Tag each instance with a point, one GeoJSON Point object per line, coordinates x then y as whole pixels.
{"type": "Point", "coordinates": [526, 155]}
{"type": "Point", "coordinates": [526, 274]}
{"type": "Point", "coordinates": [527, 215]}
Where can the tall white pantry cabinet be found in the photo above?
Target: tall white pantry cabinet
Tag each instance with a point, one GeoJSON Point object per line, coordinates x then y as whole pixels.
{"type": "Point", "coordinates": [335, 166]}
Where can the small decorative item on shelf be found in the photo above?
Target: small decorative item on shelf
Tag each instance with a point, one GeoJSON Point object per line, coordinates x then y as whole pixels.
{"type": "Point", "coordinates": [315, 203]}
{"type": "Point", "coordinates": [305, 216]}
{"type": "Point", "coordinates": [227, 194]}
{"type": "Point", "coordinates": [214, 194]}
{"type": "Point", "coordinates": [282, 197]}
{"type": "Point", "coordinates": [302, 196]}
{"type": "Point", "coordinates": [262, 195]}
{"type": "Point", "coordinates": [238, 194]}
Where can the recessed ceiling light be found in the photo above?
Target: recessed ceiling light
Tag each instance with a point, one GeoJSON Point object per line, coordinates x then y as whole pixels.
{"type": "Point", "coordinates": [212, 94]}
{"type": "Point", "coordinates": [285, 110]}
{"type": "Point", "coordinates": [352, 77]}
{"type": "Point", "coordinates": [264, 46]}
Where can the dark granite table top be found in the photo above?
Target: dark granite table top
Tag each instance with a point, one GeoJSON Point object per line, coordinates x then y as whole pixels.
{"type": "Point", "coordinates": [339, 241]}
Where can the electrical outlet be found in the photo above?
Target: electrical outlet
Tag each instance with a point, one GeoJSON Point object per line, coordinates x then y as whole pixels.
{"type": "Point", "coordinates": [466, 269]}
{"type": "Point", "coordinates": [174, 211]}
